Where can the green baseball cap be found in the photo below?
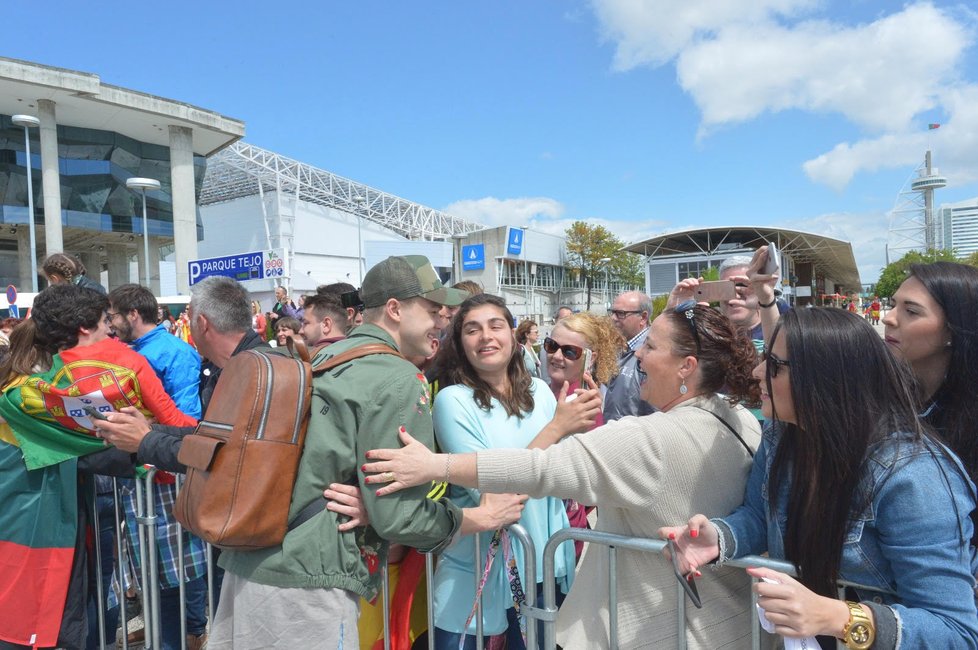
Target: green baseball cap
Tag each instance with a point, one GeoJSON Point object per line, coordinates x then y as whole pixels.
{"type": "Point", "coordinates": [408, 276]}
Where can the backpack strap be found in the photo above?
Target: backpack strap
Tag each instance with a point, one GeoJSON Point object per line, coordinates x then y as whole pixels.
{"type": "Point", "coordinates": [354, 353]}
{"type": "Point", "coordinates": [297, 348]}
{"type": "Point", "coordinates": [319, 504]}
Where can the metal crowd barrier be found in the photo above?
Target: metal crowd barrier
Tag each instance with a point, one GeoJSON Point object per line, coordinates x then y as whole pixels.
{"type": "Point", "coordinates": [548, 613]}
{"type": "Point", "coordinates": [147, 584]}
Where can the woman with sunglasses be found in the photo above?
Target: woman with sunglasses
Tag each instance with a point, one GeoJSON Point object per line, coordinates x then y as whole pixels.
{"type": "Point", "coordinates": [847, 485]}
{"type": "Point", "coordinates": [573, 337]}
{"type": "Point", "coordinates": [642, 472]}
{"type": "Point", "coordinates": [488, 400]}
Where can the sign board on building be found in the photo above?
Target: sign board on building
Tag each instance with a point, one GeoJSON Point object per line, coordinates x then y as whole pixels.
{"type": "Point", "coordinates": [474, 257]}
{"type": "Point", "coordinates": [514, 242]}
{"type": "Point", "coordinates": [259, 265]}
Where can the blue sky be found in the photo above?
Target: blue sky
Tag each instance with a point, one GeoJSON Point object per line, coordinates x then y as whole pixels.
{"type": "Point", "coordinates": [645, 116]}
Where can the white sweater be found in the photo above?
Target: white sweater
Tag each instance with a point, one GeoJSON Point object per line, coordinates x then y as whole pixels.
{"type": "Point", "coordinates": [644, 473]}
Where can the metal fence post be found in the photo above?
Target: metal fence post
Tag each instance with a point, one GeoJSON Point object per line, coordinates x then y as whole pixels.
{"type": "Point", "coordinates": [478, 607]}
{"type": "Point", "coordinates": [181, 573]}
{"type": "Point", "coordinates": [429, 575]}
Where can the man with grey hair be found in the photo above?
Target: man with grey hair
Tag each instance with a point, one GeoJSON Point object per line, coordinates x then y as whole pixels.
{"type": "Point", "coordinates": [630, 315]}
{"type": "Point", "coordinates": [743, 311]}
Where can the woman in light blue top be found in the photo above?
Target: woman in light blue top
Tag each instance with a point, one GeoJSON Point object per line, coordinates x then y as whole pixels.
{"type": "Point", "coordinates": [492, 402]}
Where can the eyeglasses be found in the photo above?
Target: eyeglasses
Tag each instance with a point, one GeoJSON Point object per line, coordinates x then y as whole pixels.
{"type": "Point", "coordinates": [111, 314]}
{"type": "Point", "coordinates": [570, 352]}
{"type": "Point", "coordinates": [687, 309]}
{"type": "Point", "coordinates": [622, 314]}
{"type": "Point", "coordinates": [774, 362]}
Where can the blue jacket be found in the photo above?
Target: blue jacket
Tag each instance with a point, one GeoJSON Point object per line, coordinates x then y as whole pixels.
{"type": "Point", "coordinates": [907, 540]}
{"type": "Point", "coordinates": [176, 363]}
{"type": "Point", "coordinates": [624, 395]}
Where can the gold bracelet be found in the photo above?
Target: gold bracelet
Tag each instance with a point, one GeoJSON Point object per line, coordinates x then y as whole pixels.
{"type": "Point", "coordinates": [448, 468]}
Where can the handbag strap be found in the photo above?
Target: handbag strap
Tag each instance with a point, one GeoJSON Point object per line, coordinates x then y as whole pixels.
{"type": "Point", "coordinates": [750, 451]}
{"type": "Point", "coordinates": [499, 538]}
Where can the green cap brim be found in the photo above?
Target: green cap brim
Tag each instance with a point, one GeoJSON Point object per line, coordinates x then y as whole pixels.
{"type": "Point", "coordinates": [447, 296]}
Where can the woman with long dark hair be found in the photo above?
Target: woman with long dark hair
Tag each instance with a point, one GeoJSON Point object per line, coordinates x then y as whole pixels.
{"type": "Point", "coordinates": [847, 485]}
{"type": "Point", "coordinates": [489, 400]}
{"type": "Point", "coordinates": [692, 454]}
{"type": "Point", "coordinates": [933, 327]}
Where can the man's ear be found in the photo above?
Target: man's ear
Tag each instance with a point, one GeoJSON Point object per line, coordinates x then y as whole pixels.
{"type": "Point", "coordinates": [394, 310]}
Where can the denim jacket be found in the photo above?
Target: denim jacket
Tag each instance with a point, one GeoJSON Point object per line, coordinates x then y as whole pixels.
{"type": "Point", "coordinates": [907, 540]}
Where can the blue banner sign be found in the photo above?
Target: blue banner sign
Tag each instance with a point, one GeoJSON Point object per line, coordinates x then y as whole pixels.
{"type": "Point", "coordinates": [474, 257]}
{"type": "Point", "coordinates": [514, 242]}
{"type": "Point", "coordinates": [241, 267]}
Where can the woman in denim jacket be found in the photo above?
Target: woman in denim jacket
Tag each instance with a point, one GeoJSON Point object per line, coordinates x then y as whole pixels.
{"type": "Point", "coordinates": [847, 486]}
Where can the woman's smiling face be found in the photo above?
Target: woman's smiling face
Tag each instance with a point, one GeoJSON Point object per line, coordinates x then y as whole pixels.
{"type": "Point", "coordinates": [487, 339]}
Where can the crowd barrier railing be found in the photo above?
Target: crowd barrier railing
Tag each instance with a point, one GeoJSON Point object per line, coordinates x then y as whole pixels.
{"type": "Point", "coordinates": [613, 542]}
{"type": "Point", "coordinates": [147, 583]}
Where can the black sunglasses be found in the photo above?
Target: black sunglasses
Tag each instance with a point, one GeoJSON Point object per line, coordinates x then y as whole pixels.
{"type": "Point", "coordinates": [774, 363]}
{"type": "Point", "coordinates": [570, 352]}
{"type": "Point", "coordinates": [686, 309]}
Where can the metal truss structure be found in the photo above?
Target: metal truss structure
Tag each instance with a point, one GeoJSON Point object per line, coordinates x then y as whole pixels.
{"type": "Point", "coordinates": [912, 222]}
{"type": "Point", "coordinates": [242, 170]}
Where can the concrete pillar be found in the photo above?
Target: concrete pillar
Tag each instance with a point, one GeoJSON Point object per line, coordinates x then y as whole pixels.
{"type": "Point", "coordinates": [50, 177]}
{"type": "Point", "coordinates": [118, 265]}
{"type": "Point", "coordinates": [184, 203]}
{"type": "Point", "coordinates": [24, 260]}
{"type": "Point", "coordinates": [93, 264]}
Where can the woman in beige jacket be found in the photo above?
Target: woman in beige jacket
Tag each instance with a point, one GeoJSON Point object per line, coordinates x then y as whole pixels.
{"type": "Point", "coordinates": [643, 473]}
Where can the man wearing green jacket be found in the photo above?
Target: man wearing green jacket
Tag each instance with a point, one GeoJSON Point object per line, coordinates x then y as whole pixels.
{"type": "Point", "coordinates": [305, 593]}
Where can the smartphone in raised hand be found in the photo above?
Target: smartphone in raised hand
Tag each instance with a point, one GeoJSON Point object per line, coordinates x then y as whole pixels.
{"type": "Point", "coordinates": [772, 265]}
{"type": "Point", "coordinates": [715, 291]}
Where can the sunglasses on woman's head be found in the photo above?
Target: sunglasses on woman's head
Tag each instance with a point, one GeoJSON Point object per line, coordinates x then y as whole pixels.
{"type": "Point", "coordinates": [570, 352]}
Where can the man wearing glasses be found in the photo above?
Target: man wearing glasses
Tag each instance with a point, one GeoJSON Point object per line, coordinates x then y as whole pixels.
{"type": "Point", "coordinates": [630, 315]}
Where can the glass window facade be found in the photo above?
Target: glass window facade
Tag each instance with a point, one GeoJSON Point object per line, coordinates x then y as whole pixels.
{"type": "Point", "coordinates": [94, 166]}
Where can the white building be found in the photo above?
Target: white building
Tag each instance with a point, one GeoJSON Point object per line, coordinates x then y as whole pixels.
{"type": "Point", "coordinates": [957, 227]}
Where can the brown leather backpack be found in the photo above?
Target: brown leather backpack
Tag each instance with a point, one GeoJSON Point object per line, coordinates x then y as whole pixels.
{"type": "Point", "coordinates": [243, 457]}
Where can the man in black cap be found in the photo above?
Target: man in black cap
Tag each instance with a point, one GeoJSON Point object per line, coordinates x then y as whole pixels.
{"type": "Point", "coordinates": [305, 593]}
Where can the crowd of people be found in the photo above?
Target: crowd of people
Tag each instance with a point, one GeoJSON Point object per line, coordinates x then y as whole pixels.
{"type": "Point", "coordinates": [735, 430]}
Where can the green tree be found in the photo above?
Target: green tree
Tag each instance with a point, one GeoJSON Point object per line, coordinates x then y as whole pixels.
{"type": "Point", "coordinates": [589, 245]}
{"type": "Point", "coordinates": [971, 260]}
{"type": "Point", "coordinates": [896, 272]}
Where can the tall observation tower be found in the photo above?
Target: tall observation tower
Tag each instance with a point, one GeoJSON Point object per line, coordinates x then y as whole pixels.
{"type": "Point", "coordinates": [912, 223]}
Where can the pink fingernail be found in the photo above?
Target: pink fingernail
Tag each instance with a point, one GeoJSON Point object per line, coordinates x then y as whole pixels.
{"type": "Point", "coordinates": [694, 533]}
{"type": "Point", "coordinates": [672, 535]}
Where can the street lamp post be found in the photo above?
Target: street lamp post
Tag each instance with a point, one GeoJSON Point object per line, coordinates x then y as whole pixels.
{"type": "Point", "coordinates": [361, 202]}
{"type": "Point", "coordinates": [28, 121]}
{"type": "Point", "coordinates": [143, 184]}
{"type": "Point", "coordinates": [607, 284]}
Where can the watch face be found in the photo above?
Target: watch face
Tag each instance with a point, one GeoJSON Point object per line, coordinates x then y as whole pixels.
{"type": "Point", "coordinates": [860, 636]}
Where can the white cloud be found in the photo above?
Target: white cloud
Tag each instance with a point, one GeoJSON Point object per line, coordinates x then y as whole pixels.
{"type": "Point", "coordinates": [544, 215]}
{"type": "Point", "coordinates": [866, 232]}
{"type": "Point", "coordinates": [655, 31]}
{"type": "Point", "coordinates": [878, 75]}
{"type": "Point", "coordinates": [740, 60]}
{"type": "Point", "coordinates": [506, 212]}
{"type": "Point", "coordinates": [954, 146]}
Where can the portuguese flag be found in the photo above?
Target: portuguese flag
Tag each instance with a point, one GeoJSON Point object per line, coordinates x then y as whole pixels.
{"type": "Point", "coordinates": [38, 525]}
{"type": "Point", "coordinates": [48, 430]}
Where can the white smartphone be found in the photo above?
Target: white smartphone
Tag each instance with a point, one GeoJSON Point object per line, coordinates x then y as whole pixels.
{"type": "Point", "coordinates": [773, 265]}
{"type": "Point", "coordinates": [715, 291]}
